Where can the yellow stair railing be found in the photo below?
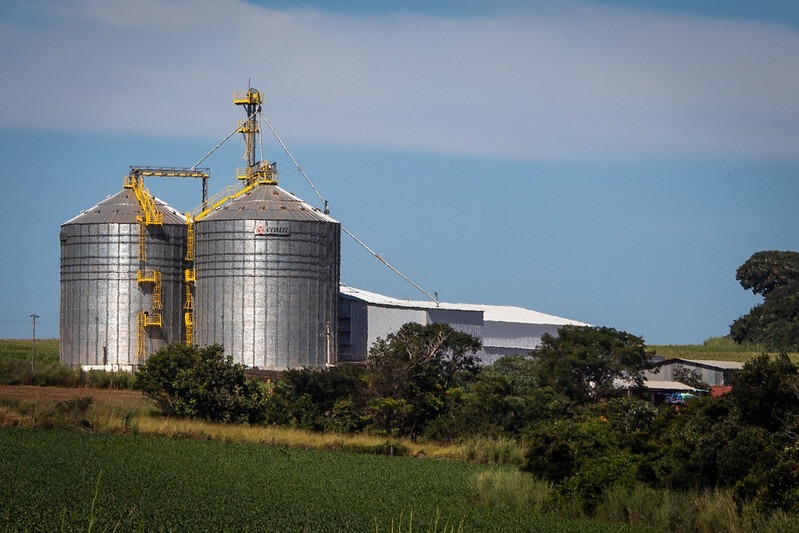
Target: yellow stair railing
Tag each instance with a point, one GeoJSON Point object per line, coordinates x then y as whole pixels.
{"type": "Point", "coordinates": [188, 320]}
{"type": "Point", "coordinates": [154, 277]}
{"type": "Point", "coordinates": [189, 238]}
{"type": "Point", "coordinates": [189, 277]}
{"type": "Point", "coordinates": [142, 240]}
{"type": "Point", "coordinates": [152, 216]}
{"type": "Point", "coordinates": [145, 320]}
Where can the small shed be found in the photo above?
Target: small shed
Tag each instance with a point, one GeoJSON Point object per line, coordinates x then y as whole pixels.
{"type": "Point", "coordinates": [671, 392]}
{"type": "Point", "coordinates": [714, 373]}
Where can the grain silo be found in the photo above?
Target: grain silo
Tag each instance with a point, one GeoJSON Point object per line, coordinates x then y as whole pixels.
{"type": "Point", "coordinates": [267, 270]}
{"type": "Point", "coordinates": [121, 280]}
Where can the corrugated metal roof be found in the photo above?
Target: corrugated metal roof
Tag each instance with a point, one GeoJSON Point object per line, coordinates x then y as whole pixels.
{"type": "Point", "coordinates": [123, 208]}
{"type": "Point", "coordinates": [654, 384]}
{"type": "Point", "coordinates": [669, 385]}
{"type": "Point", "coordinates": [725, 365]}
{"type": "Point", "coordinates": [491, 313]}
{"type": "Point", "coordinates": [268, 202]}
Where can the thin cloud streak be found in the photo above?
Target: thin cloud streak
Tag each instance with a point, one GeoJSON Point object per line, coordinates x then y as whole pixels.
{"type": "Point", "coordinates": [583, 83]}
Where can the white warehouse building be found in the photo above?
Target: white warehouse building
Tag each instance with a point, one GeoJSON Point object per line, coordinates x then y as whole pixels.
{"type": "Point", "coordinates": [503, 330]}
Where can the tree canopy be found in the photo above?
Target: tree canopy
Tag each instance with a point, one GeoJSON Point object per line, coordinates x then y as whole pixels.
{"type": "Point", "coordinates": [189, 381]}
{"type": "Point", "coordinates": [583, 362]}
{"type": "Point", "coordinates": [410, 372]}
{"type": "Point", "coordinates": [766, 391]}
{"type": "Point", "coordinates": [775, 322]}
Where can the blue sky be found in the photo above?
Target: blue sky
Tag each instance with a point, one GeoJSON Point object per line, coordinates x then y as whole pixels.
{"type": "Point", "coordinates": [613, 162]}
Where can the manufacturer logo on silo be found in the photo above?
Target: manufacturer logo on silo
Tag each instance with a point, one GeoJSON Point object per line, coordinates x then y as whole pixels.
{"type": "Point", "coordinates": [274, 229]}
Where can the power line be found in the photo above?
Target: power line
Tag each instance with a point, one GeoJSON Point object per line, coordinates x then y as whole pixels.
{"type": "Point", "coordinates": [348, 232]}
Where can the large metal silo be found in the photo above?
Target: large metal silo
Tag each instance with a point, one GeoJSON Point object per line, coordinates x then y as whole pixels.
{"type": "Point", "coordinates": [121, 283]}
{"type": "Point", "coordinates": [267, 267]}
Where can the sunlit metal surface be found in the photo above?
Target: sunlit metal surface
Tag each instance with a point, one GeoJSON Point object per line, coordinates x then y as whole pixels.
{"type": "Point", "coordinates": [267, 267]}
{"type": "Point", "coordinates": [100, 296]}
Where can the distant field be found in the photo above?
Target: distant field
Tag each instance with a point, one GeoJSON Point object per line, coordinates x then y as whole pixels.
{"type": "Point", "coordinates": [715, 349]}
{"type": "Point", "coordinates": [21, 349]}
{"type": "Point", "coordinates": [65, 481]}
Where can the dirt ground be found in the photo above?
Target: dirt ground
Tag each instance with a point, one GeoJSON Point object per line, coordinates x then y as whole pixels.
{"type": "Point", "coordinates": [29, 393]}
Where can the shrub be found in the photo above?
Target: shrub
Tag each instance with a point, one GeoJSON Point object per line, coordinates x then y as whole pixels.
{"type": "Point", "coordinates": [644, 506]}
{"type": "Point", "coordinates": [187, 381]}
{"type": "Point", "coordinates": [495, 451]}
{"type": "Point", "coordinates": [318, 399]}
{"type": "Point", "coordinates": [511, 489]}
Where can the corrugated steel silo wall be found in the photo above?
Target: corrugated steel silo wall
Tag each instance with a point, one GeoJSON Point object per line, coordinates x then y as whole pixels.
{"type": "Point", "coordinates": [100, 296]}
{"type": "Point", "coordinates": [271, 300]}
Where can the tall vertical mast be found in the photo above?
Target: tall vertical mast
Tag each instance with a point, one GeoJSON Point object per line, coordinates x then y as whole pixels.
{"type": "Point", "coordinates": [256, 172]}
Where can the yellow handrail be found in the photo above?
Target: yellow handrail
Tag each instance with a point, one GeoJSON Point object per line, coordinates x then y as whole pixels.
{"type": "Point", "coordinates": [189, 237]}
{"type": "Point", "coordinates": [152, 216]}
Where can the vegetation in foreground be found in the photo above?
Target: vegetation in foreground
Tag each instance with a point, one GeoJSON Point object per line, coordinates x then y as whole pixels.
{"type": "Point", "coordinates": [581, 434]}
{"type": "Point", "coordinates": [57, 480]}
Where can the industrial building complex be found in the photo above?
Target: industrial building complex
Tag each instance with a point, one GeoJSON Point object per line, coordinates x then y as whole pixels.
{"type": "Point", "coordinates": [255, 269]}
{"type": "Point", "coordinates": [503, 330]}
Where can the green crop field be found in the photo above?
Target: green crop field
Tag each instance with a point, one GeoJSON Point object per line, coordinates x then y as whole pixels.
{"type": "Point", "coordinates": [715, 349]}
{"type": "Point", "coordinates": [66, 481]}
{"type": "Point", "coordinates": [21, 350]}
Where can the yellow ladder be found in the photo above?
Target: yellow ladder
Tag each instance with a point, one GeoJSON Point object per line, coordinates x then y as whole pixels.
{"type": "Point", "coordinates": [145, 319]}
{"type": "Point", "coordinates": [189, 277]}
{"type": "Point", "coordinates": [188, 319]}
{"type": "Point", "coordinates": [190, 238]}
{"type": "Point", "coordinates": [142, 239]}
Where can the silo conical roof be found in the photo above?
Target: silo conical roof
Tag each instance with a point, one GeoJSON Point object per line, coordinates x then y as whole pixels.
{"type": "Point", "coordinates": [123, 208]}
{"type": "Point", "coordinates": [268, 202]}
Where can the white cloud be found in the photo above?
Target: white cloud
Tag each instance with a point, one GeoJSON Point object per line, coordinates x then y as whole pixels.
{"type": "Point", "coordinates": [585, 82]}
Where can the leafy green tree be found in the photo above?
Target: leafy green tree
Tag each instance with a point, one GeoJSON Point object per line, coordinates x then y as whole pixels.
{"type": "Point", "coordinates": [766, 271]}
{"type": "Point", "coordinates": [318, 398]}
{"type": "Point", "coordinates": [766, 391]}
{"type": "Point", "coordinates": [582, 363]}
{"type": "Point", "coordinates": [410, 372]}
{"type": "Point", "coordinates": [690, 377]}
{"type": "Point", "coordinates": [519, 370]}
{"type": "Point", "coordinates": [778, 488]}
{"type": "Point", "coordinates": [775, 322]}
{"type": "Point", "coordinates": [188, 381]}
{"type": "Point", "coordinates": [583, 456]}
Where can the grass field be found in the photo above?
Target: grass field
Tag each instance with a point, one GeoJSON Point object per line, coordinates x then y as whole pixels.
{"type": "Point", "coordinates": [21, 350]}
{"type": "Point", "coordinates": [130, 412]}
{"type": "Point", "coordinates": [715, 349]}
{"type": "Point", "coordinates": [63, 480]}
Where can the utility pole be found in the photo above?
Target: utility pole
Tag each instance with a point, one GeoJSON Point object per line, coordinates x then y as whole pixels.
{"type": "Point", "coordinates": [34, 316]}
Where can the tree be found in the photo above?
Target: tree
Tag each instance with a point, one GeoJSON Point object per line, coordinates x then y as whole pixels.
{"type": "Point", "coordinates": [690, 377]}
{"type": "Point", "coordinates": [410, 372]}
{"type": "Point", "coordinates": [765, 391]}
{"type": "Point", "coordinates": [583, 362]}
{"type": "Point", "coordinates": [318, 398]}
{"type": "Point", "coordinates": [519, 370]}
{"type": "Point", "coordinates": [766, 271]}
{"type": "Point", "coordinates": [774, 322]}
{"type": "Point", "coordinates": [188, 381]}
